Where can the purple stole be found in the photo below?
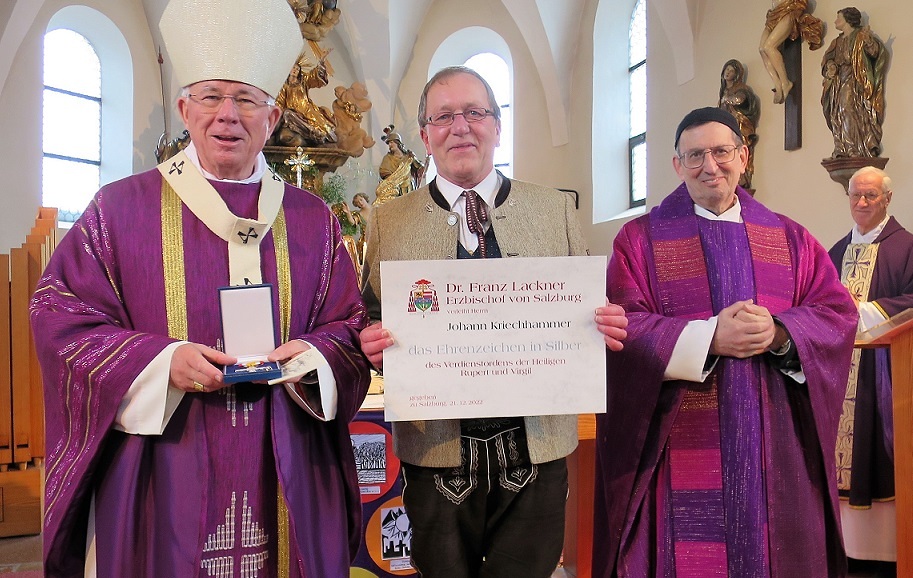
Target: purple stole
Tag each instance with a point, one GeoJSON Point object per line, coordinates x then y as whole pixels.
{"type": "Point", "coordinates": [712, 505]}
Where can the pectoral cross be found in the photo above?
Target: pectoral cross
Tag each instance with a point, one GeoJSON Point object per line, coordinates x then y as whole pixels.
{"type": "Point", "coordinates": [250, 234]}
{"type": "Point", "coordinates": [299, 162]}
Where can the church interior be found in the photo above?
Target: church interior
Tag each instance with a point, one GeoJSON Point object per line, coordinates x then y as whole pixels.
{"type": "Point", "coordinates": [568, 79]}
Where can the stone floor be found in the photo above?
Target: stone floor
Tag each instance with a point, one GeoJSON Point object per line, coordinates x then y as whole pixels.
{"type": "Point", "coordinates": [20, 556]}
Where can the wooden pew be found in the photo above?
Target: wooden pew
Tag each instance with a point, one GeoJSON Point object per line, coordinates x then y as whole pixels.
{"type": "Point", "coordinates": [22, 444]}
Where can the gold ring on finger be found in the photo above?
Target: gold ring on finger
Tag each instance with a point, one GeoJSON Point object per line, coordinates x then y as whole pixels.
{"type": "Point", "coordinates": [198, 386]}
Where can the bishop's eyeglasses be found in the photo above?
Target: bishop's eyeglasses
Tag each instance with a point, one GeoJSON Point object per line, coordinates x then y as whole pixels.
{"type": "Point", "coordinates": [213, 100]}
{"type": "Point", "coordinates": [470, 114]}
{"type": "Point", "coordinates": [721, 155]}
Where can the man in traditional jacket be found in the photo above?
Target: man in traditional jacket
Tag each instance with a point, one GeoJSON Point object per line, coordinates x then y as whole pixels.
{"type": "Point", "coordinates": [716, 455]}
{"type": "Point", "coordinates": [876, 264]}
{"type": "Point", "coordinates": [486, 496]}
{"type": "Point", "coordinates": [156, 467]}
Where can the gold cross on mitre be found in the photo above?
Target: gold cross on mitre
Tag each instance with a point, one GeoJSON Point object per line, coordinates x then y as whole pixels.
{"type": "Point", "coordinates": [298, 163]}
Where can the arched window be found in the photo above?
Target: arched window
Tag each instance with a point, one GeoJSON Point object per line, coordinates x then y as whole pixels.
{"type": "Point", "coordinates": [89, 136]}
{"type": "Point", "coordinates": [637, 86]}
{"type": "Point", "coordinates": [619, 110]}
{"type": "Point", "coordinates": [72, 108]}
{"type": "Point", "coordinates": [496, 72]}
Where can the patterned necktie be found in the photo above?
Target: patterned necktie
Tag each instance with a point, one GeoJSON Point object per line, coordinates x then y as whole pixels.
{"type": "Point", "coordinates": [476, 216]}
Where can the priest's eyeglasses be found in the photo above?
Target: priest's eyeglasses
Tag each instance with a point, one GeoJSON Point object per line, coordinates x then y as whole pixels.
{"type": "Point", "coordinates": [869, 197]}
{"type": "Point", "coordinates": [470, 114]}
{"type": "Point", "coordinates": [721, 155]}
{"type": "Point", "coordinates": [213, 101]}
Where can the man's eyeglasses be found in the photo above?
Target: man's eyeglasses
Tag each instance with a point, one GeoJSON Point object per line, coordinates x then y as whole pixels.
{"type": "Point", "coordinates": [721, 155]}
{"type": "Point", "coordinates": [869, 197]}
{"type": "Point", "coordinates": [213, 101]}
{"type": "Point", "coordinates": [470, 114]}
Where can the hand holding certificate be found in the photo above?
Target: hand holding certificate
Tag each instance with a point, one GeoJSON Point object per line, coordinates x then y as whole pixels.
{"type": "Point", "coordinates": [492, 338]}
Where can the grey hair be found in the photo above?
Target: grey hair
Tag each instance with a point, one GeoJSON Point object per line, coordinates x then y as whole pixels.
{"type": "Point", "coordinates": [442, 75]}
{"type": "Point", "coordinates": [885, 179]}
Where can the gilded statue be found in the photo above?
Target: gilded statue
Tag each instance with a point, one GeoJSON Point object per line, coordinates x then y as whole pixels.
{"type": "Point", "coordinates": [363, 205]}
{"type": "Point", "coordinates": [315, 17]}
{"type": "Point", "coordinates": [399, 170]}
{"type": "Point", "coordinates": [786, 19]}
{"type": "Point", "coordinates": [304, 123]}
{"type": "Point", "coordinates": [853, 96]}
{"type": "Point", "coordinates": [739, 99]}
{"type": "Point", "coordinates": [348, 108]}
{"type": "Point", "coordinates": [351, 224]}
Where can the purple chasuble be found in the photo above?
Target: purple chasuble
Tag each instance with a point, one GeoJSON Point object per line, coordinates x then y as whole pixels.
{"type": "Point", "coordinates": [202, 498]}
{"type": "Point", "coordinates": [777, 500]}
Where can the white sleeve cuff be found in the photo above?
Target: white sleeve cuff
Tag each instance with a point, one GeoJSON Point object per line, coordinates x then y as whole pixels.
{"type": "Point", "coordinates": [691, 350]}
{"type": "Point", "coordinates": [151, 400]}
{"type": "Point", "coordinates": [869, 315]}
{"type": "Point", "coordinates": [326, 385]}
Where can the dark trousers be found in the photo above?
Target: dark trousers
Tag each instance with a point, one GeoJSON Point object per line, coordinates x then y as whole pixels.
{"type": "Point", "coordinates": [496, 516]}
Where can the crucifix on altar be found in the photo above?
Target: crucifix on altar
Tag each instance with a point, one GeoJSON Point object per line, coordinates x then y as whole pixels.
{"type": "Point", "coordinates": [299, 163]}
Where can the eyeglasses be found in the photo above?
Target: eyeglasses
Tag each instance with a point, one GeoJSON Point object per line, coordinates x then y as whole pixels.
{"type": "Point", "coordinates": [470, 114]}
{"type": "Point", "coordinates": [213, 101]}
{"type": "Point", "coordinates": [869, 197]}
{"type": "Point", "coordinates": [721, 155]}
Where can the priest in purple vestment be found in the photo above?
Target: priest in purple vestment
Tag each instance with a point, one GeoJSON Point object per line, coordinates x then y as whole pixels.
{"type": "Point", "coordinates": [875, 261]}
{"type": "Point", "coordinates": [156, 467]}
{"type": "Point", "coordinates": [716, 455]}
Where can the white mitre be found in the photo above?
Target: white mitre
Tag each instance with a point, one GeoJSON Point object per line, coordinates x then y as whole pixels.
{"type": "Point", "coordinates": [251, 41]}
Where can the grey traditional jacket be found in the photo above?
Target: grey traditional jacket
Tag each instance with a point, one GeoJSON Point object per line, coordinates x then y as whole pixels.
{"type": "Point", "coordinates": [529, 221]}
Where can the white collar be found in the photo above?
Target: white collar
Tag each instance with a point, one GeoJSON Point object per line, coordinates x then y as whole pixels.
{"type": "Point", "coordinates": [869, 237]}
{"type": "Point", "coordinates": [733, 214]}
{"type": "Point", "coordinates": [256, 177]}
{"type": "Point", "coordinates": [487, 189]}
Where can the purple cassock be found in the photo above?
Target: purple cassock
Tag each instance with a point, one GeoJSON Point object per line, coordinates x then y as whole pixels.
{"type": "Point", "coordinates": [242, 482]}
{"type": "Point", "coordinates": [891, 289]}
{"type": "Point", "coordinates": [733, 476]}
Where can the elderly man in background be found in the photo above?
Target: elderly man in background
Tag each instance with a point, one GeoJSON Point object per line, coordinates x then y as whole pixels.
{"type": "Point", "coordinates": [716, 455]}
{"type": "Point", "coordinates": [875, 261]}
{"type": "Point", "coordinates": [156, 467]}
{"type": "Point", "coordinates": [485, 497]}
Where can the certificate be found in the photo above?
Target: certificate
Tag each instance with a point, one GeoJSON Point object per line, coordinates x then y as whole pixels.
{"type": "Point", "coordinates": [493, 337]}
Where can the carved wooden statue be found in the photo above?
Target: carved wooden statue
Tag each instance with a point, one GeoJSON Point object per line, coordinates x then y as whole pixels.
{"type": "Point", "coordinates": [853, 96]}
{"type": "Point", "coordinates": [786, 19]}
{"type": "Point", "coordinates": [741, 101]}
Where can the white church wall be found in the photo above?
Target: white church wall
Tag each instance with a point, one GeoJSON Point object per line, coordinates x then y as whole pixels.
{"type": "Point", "coordinates": [790, 182]}
{"type": "Point", "coordinates": [20, 110]}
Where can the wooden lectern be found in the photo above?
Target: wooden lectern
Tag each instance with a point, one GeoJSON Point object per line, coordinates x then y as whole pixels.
{"type": "Point", "coordinates": [897, 334]}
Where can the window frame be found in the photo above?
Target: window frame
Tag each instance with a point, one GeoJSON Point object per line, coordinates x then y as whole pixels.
{"type": "Point", "coordinates": [641, 138]}
{"type": "Point", "coordinates": [68, 214]}
{"type": "Point", "coordinates": [505, 168]}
